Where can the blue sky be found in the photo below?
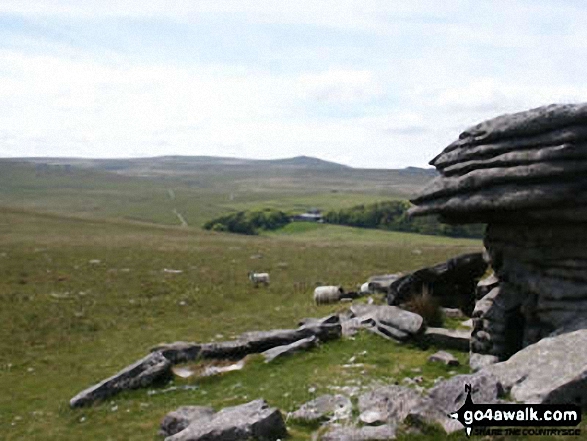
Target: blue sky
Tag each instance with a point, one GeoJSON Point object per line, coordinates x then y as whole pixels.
{"type": "Point", "coordinates": [365, 83]}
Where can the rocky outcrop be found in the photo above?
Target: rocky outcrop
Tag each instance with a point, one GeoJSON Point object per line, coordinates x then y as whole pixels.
{"type": "Point", "coordinates": [524, 175]}
{"type": "Point", "coordinates": [552, 371]}
{"type": "Point", "coordinates": [451, 283]}
{"type": "Point", "coordinates": [254, 342]}
{"type": "Point", "coordinates": [366, 433]}
{"type": "Point", "coordinates": [145, 372]}
{"type": "Point", "coordinates": [251, 420]}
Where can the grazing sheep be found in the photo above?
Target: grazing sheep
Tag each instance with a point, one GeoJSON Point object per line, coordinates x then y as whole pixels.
{"type": "Point", "coordinates": [328, 294]}
{"type": "Point", "coordinates": [366, 288]}
{"type": "Point", "coordinates": [257, 278]}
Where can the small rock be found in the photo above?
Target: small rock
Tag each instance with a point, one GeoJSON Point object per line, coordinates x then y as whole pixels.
{"type": "Point", "coordinates": [325, 407]}
{"type": "Point", "coordinates": [281, 351]}
{"type": "Point", "coordinates": [444, 358]}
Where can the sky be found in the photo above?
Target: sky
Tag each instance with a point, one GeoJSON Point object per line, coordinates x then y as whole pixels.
{"type": "Point", "coordinates": [374, 84]}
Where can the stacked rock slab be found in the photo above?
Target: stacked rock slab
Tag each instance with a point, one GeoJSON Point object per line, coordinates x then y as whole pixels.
{"type": "Point", "coordinates": [525, 175]}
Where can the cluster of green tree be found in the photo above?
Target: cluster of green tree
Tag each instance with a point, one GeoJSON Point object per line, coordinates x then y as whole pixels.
{"type": "Point", "coordinates": [249, 222]}
{"type": "Point", "coordinates": [392, 215]}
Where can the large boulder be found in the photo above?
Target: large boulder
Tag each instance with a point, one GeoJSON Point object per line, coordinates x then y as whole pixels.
{"type": "Point", "coordinates": [149, 370]}
{"type": "Point", "coordinates": [251, 420]}
{"type": "Point", "coordinates": [451, 283]}
{"type": "Point", "coordinates": [554, 370]}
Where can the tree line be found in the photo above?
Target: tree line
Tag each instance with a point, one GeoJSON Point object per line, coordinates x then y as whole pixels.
{"type": "Point", "coordinates": [387, 215]}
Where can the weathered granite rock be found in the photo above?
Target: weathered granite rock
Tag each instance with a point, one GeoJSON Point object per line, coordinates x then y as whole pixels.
{"type": "Point", "coordinates": [176, 421]}
{"type": "Point", "coordinates": [444, 357]}
{"type": "Point", "coordinates": [392, 405]}
{"type": "Point", "coordinates": [524, 175]}
{"type": "Point", "coordinates": [553, 370]}
{"type": "Point", "coordinates": [451, 283]}
{"type": "Point", "coordinates": [478, 361]}
{"type": "Point", "coordinates": [149, 370]}
{"type": "Point", "coordinates": [283, 351]}
{"type": "Point", "coordinates": [388, 404]}
{"type": "Point", "coordinates": [367, 433]}
{"type": "Point", "coordinates": [389, 322]}
{"type": "Point", "coordinates": [179, 351]}
{"type": "Point", "coordinates": [382, 282]}
{"type": "Point", "coordinates": [456, 339]}
{"type": "Point", "coordinates": [251, 420]}
{"type": "Point", "coordinates": [449, 395]}
{"type": "Point", "coordinates": [260, 341]}
{"type": "Point", "coordinates": [485, 286]}
{"type": "Point", "coordinates": [323, 408]}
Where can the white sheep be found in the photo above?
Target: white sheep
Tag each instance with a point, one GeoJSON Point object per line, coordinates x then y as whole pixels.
{"type": "Point", "coordinates": [328, 294]}
{"type": "Point", "coordinates": [257, 278]}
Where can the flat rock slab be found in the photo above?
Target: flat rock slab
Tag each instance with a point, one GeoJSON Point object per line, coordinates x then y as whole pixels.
{"type": "Point", "coordinates": [145, 372]}
{"type": "Point", "coordinates": [390, 316]}
{"type": "Point", "coordinates": [283, 351]}
{"type": "Point", "coordinates": [553, 370]}
{"type": "Point", "coordinates": [456, 339]}
{"type": "Point", "coordinates": [367, 433]}
{"type": "Point", "coordinates": [251, 420]}
{"type": "Point", "coordinates": [444, 357]}
{"type": "Point", "coordinates": [325, 407]}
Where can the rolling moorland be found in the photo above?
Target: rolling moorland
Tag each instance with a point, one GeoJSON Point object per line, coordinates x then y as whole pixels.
{"type": "Point", "coordinates": [84, 291]}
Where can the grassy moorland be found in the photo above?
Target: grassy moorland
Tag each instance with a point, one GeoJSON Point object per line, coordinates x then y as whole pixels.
{"type": "Point", "coordinates": [83, 298]}
{"type": "Point", "coordinates": [84, 293]}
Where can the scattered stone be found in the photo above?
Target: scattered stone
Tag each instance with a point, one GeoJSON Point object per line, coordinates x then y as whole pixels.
{"type": "Point", "coordinates": [251, 420]}
{"type": "Point", "coordinates": [554, 370]}
{"type": "Point", "coordinates": [323, 408]}
{"type": "Point", "coordinates": [172, 271]}
{"type": "Point", "coordinates": [367, 433]}
{"type": "Point", "coordinates": [145, 372]}
{"type": "Point", "coordinates": [282, 351]}
{"type": "Point", "coordinates": [444, 358]}
{"type": "Point", "coordinates": [456, 339]}
{"type": "Point", "coordinates": [176, 421]}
